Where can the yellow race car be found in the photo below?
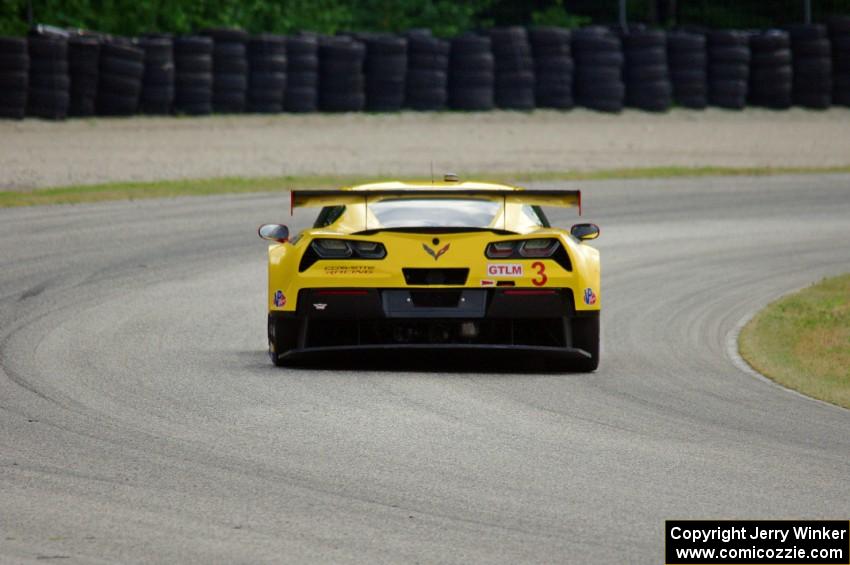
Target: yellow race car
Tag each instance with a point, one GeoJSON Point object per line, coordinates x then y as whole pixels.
{"type": "Point", "coordinates": [434, 265]}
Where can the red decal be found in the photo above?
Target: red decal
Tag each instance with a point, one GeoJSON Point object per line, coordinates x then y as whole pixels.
{"type": "Point", "coordinates": [541, 278]}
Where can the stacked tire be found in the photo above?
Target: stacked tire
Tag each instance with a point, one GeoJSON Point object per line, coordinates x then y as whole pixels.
{"type": "Point", "coordinates": [770, 70]}
{"type": "Point", "coordinates": [302, 74]}
{"type": "Point", "coordinates": [426, 87]}
{"type": "Point", "coordinates": [230, 69]}
{"type": "Point", "coordinates": [553, 67]}
{"type": "Point", "coordinates": [193, 80]}
{"type": "Point", "coordinates": [471, 73]}
{"type": "Point", "coordinates": [812, 61]}
{"type": "Point", "coordinates": [839, 35]}
{"type": "Point", "coordinates": [119, 87]}
{"type": "Point", "coordinates": [14, 77]}
{"type": "Point", "coordinates": [386, 70]}
{"type": "Point", "coordinates": [688, 61]}
{"type": "Point", "coordinates": [599, 69]}
{"type": "Point", "coordinates": [158, 80]}
{"type": "Point", "coordinates": [48, 95]}
{"type": "Point", "coordinates": [728, 68]}
{"type": "Point", "coordinates": [341, 74]}
{"type": "Point", "coordinates": [84, 70]}
{"type": "Point", "coordinates": [267, 73]}
{"type": "Point", "coordinates": [646, 73]}
{"type": "Point", "coordinates": [514, 66]}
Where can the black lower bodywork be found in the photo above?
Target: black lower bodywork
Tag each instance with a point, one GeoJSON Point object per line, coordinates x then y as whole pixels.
{"type": "Point", "coordinates": [498, 321]}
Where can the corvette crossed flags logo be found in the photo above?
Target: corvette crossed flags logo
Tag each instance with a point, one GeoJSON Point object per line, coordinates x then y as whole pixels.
{"type": "Point", "coordinates": [435, 254]}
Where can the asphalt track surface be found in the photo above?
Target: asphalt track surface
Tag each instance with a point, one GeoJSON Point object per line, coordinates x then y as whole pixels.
{"type": "Point", "coordinates": [141, 421]}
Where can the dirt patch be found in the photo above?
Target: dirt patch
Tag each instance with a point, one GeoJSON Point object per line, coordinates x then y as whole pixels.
{"type": "Point", "coordinates": [38, 154]}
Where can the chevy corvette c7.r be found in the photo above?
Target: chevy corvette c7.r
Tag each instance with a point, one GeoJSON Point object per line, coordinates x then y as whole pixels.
{"type": "Point", "coordinates": [447, 266]}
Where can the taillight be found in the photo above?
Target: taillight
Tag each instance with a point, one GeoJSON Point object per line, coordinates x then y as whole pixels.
{"type": "Point", "coordinates": [524, 248]}
{"type": "Point", "coordinates": [332, 248]}
{"type": "Point", "coordinates": [369, 249]}
{"type": "Point", "coordinates": [343, 249]}
{"type": "Point", "coordinates": [538, 247]}
{"type": "Point", "coordinates": [500, 249]}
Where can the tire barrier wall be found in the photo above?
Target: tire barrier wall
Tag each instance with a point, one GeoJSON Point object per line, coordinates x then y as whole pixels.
{"type": "Point", "coordinates": [839, 36]}
{"type": "Point", "coordinates": [647, 73]}
{"type": "Point", "coordinates": [687, 58]}
{"type": "Point", "coordinates": [53, 73]}
{"type": "Point", "coordinates": [553, 67]}
{"type": "Point", "coordinates": [514, 68]}
{"type": "Point", "coordinates": [427, 82]}
{"type": "Point", "coordinates": [193, 80]}
{"type": "Point", "coordinates": [812, 66]}
{"type": "Point", "coordinates": [599, 69]}
{"type": "Point", "coordinates": [158, 80]}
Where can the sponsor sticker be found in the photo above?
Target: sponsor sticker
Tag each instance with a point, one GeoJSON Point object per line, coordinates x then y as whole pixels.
{"type": "Point", "coordinates": [589, 297]}
{"type": "Point", "coordinates": [349, 270]}
{"type": "Point", "coordinates": [279, 299]}
{"type": "Point", "coordinates": [504, 269]}
{"type": "Point", "coordinates": [320, 306]}
{"type": "Point", "coordinates": [487, 282]}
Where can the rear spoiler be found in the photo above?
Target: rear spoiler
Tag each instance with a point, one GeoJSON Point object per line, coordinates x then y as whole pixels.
{"type": "Point", "coordinates": [315, 198]}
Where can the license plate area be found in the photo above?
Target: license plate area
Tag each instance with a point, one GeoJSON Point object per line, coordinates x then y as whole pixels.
{"type": "Point", "coordinates": [435, 303]}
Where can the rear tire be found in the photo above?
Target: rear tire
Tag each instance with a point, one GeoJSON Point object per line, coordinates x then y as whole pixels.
{"type": "Point", "coordinates": [283, 336]}
{"type": "Point", "coordinates": [586, 337]}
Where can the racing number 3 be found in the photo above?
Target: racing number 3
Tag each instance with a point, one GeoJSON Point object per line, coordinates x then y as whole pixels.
{"type": "Point", "coordinates": [541, 277]}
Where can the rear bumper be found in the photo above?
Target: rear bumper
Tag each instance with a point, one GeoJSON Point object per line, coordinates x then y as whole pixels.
{"type": "Point", "coordinates": [540, 352]}
{"type": "Point", "coordinates": [382, 303]}
{"type": "Point", "coordinates": [496, 321]}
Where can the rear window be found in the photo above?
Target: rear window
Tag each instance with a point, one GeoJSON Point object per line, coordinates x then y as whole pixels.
{"type": "Point", "coordinates": [435, 212]}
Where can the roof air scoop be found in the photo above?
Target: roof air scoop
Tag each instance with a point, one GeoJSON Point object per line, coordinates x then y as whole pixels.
{"type": "Point", "coordinates": [450, 177]}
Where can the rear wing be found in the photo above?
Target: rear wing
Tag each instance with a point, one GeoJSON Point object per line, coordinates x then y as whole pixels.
{"type": "Point", "coordinates": [316, 198]}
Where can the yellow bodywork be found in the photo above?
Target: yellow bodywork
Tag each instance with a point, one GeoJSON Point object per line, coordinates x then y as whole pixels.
{"type": "Point", "coordinates": [405, 250]}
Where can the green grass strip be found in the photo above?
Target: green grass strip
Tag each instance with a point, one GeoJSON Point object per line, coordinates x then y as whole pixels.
{"type": "Point", "coordinates": [234, 185]}
{"type": "Point", "coordinates": [802, 341]}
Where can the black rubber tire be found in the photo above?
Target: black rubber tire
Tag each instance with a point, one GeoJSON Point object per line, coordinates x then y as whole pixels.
{"type": "Point", "coordinates": [300, 100]}
{"type": "Point", "coordinates": [13, 45]}
{"type": "Point", "coordinates": [48, 66]}
{"type": "Point", "coordinates": [120, 84]}
{"type": "Point", "coordinates": [230, 81]}
{"type": "Point", "coordinates": [300, 45]}
{"type": "Point", "coordinates": [17, 80]}
{"type": "Point", "coordinates": [728, 71]}
{"type": "Point", "coordinates": [427, 61]}
{"type": "Point", "coordinates": [230, 65]}
{"type": "Point", "coordinates": [477, 62]}
{"type": "Point", "coordinates": [193, 63]}
{"type": "Point", "coordinates": [194, 108]}
{"type": "Point", "coordinates": [267, 81]}
{"type": "Point", "coordinates": [229, 50]}
{"type": "Point", "coordinates": [47, 47]}
{"type": "Point", "coordinates": [193, 45]}
{"type": "Point", "coordinates": [282, 337]}
{"type": "Point", "coordinates": [471, 99]}
{"type": "Point", "coordinates": [342, 101]}
{"type": "Point", "coordinates": [194, 80]}
{"type": "Point", "coordinates": [600, 58]}
{"type": "Point", "coordinates": [110, 64]}
{"type": "Point", "coordinates": [729, 54]}
{"type": "Point", "coordinates": [585, 335]}
{"type": "Point", "coordinates": [426, 99]}
{"type": "Point", "coordinates": [269, 63]}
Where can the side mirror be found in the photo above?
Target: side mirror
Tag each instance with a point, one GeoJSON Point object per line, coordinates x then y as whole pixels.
{"type": "Point", "coordinates": [274, 232]}
{"type": "Point", "coordinates": [585, 231]}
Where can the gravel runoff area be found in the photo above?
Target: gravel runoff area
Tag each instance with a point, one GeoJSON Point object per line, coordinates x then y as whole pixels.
{"type": "Point", "coordinates": [36, 154]}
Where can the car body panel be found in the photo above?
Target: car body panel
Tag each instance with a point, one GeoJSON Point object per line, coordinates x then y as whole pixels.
{"type": "Point", "coordinates": [437, 275]}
